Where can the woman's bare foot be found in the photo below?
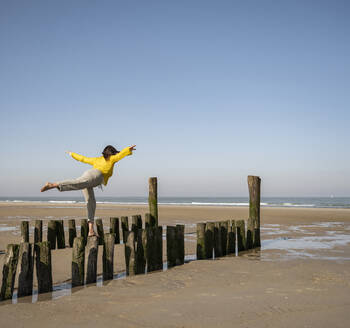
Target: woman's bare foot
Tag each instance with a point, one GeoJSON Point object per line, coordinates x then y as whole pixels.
{"type": "Point", "coordinates": [49, 186]}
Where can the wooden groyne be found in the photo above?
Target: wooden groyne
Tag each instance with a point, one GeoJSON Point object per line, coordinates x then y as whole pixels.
{"type": "Point", "coordinates": [142, 239]}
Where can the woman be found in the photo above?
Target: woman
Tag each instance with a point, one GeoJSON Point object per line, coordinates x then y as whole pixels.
{"type": "Point", "coordinates": [101, 172]}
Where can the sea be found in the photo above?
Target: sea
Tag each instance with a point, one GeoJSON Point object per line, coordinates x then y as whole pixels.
{"type": "Point", "coordinates": [303, 202]}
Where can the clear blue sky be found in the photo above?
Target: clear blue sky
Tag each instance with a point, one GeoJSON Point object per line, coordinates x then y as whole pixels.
{"type": "Point", "coordinates": [210, 91]}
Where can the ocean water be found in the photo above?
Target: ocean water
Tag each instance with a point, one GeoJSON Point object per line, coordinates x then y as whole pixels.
{"type": "Point", "coordinates": [304, 202]}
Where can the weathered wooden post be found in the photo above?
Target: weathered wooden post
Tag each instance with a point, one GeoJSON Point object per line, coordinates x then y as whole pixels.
{"type": "Point", "coordinates": [114, 228]}
{"type": "Point", "coordinates": [171, 249]}
{"type": "Point", "coordinates": [72, 231]}
{"type": "Point", "coordinates": [148, 238]}
{"type": "Point", "coordinates": [92, 252]}
{"type": "Point", "coordinates": [209, 240]}
{"type": "Point", "coordinates": [108, 256]}
{"type": "Point", "coordinates": [224, 232]}
{"type": "Point", "coordinates": [140, 253]}
{"type": "Point", "coordinates": [125, 227]}
{"type": "Point", "coordinates": [159, 247]}
{"type": "Point", "coordinates": [38, 231]}
{"type": "Point", "coordinates": [100, 231]}
{"type": "Point", "coordinates": [136, 223]}
{"type": "Point", "coordinates": [61, 242]}
{"type": "Point", "coordinates": [78, 262]}
{"type": "Point", "coordinates": [25, 265]}
{"type": "Point", "coordinates": [43, 266]}
{"type": "Point", "coordinates": [84, 230]}
{"type": "Point", "coordinates": [51, 233]}
{"type": "Point", "coordinates": [254, 185]}
{"type": "Point", "coordinates": [180, 244]}
{"type": "Point", "coordinates": [130, 254]}
{"type": "Point", "coordinates": [200, 241]}
{"type": "Point", "coordinates": [24, 232]}
{"type": "Point", "coordinates": [240, 225]}
{"type": "Point", "coordinates": [9, 271]}
{"type": "Point", "coordinates": [153, 198]}
{"type": "Point", "coordinates": [231, 243]}
{"type": "Point", "coordinates": [217, 240]}
{"type": "Point", "coordinates": [150, 221]}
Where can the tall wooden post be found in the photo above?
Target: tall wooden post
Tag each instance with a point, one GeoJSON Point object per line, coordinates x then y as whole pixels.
{"type": "Point", "coordinates": [254, 185]}
{"type": "Point", "coordinates": [92, 252]}
{"type": "Point", "coordinates": [24, 232]}
{"type": "Point", "coordinates": [84, 230]}
{"type": "Point", "coordinates": [9, 271]}
{"type": "Point", "coordinates": [43, 266]}
{"type": "Point", "coordinates": [51, 233]}
{"type": "Point", "coordinates": [61, 242]}
{"type": "Point", "coordinates": [114, 228]}
{"type": "Point", "coordinates": [72, 231]}
{"type": "Point", "coordinates": [125, 227]}
{"type": "Point", "coordinates": [153, 198]}
{"type": "Point", "coordinates": [209, 240]}
{"type": "Point", "coordinates": [78, 262]}
{"type": "Point", "coordinates": [38, 231]}
{"type": "Point", "coordinates": [241, 242]}
{"type": "Point", "coordinates": [25, 265]}
{"type": "Point", "coordinates": [100, 231]}
{"type": "Point", "coordinates": [201, 254]}
{"type": "Point", "coordinates": [108, 256]}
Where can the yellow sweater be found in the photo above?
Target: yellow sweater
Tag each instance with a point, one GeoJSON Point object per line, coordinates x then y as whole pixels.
{"type": "Point", "coordinates": [99, 163]}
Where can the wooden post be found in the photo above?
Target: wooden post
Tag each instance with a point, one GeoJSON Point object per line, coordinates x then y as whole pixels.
{"type": "Point", "coordinates": [171, 249]}
{"type": "Point", "coordinates": [114, 228]}
{"type": "Point", "coordinates": [149, 246]}
{"type": "Point", "coordinates": [153, 198]}
{"type": "Point", "coordinates": [224, 232]}
{"type": "Point", "coordinates": [240, 225]}
{"type": "Point", "coordinates": [78, 262]}
{"type": "Point", "coordinates": [72, 231]}
{"type": "Point", "coordinates": [24, 232]}
{"type": "Point", "coordinates": [150, 221]}
{"type": "Point", "coordinates": [25, 264]}
{"type": "Point", "coordinates": [200, 241]}
{"type": "Point", "coordinates": [209, 240]}
{"type": "Point", "coordinates": [61, 242]}
{"type": "Point", "coordinates": [136, 223]}
{"type": "Point", "coordinates": [140, 253]}
{"type": "Point", "coordinates": [108, 256]}
{"type": "Point", "coordinates": [130, 254]}
{"type": "Point", "coordinates": [159, 247]}
{"type": "Point", "coordinates": [180, 244]}
{"type": "Point", "coordinates": [51, 233]}
{"type": "Point", "coordinates": [100, 231]}
{"type": "Point", "coordinates": [254, 186]}
{"type": "Point", "coordinates": [38, 231]}
{"type": "Point", "coordinates": [231, 243]}
{"type": "Point", "coordinates": [84, 230]}
{"type": "Point", "coordinates": [9, 271]}
{"type": "Point", "coordinates": [217, 240]}
{"type": "Point", "coordinates": [43, 266]}
{"type": "Point", "coordinates": [92, 252]}
{"type": "Point", "coordinates": [125, 227]}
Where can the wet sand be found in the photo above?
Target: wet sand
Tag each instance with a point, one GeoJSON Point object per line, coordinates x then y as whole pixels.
{"type": "Point", "coordinates": [300, 278]}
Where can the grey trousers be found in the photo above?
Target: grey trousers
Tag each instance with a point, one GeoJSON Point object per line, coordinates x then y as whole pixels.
{"type": "Point", "coordinates": [90, 179]}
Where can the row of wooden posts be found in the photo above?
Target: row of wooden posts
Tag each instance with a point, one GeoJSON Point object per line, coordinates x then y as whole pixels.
{"type": "Point", "coordinates": [143, 245]}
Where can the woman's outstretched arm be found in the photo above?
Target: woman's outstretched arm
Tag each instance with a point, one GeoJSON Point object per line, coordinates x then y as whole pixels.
{"type": "Point", "coordinates": [81, 158]}
{"type": "Point", "coordinates": [125, 152]}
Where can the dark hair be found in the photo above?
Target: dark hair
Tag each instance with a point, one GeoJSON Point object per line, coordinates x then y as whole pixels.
{"type": "Point", "coordinates": [109, 151]}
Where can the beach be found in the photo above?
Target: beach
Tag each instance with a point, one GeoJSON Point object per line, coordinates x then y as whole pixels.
{"type": "Point", "coordinates": [299, 278]}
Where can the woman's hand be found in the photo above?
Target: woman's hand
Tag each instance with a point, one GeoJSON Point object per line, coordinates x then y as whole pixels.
{"type": "Point", "coordinates": [132, 147]}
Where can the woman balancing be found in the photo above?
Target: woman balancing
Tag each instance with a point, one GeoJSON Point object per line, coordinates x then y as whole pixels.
{"type": "Point", "coordinates": [101, 172]}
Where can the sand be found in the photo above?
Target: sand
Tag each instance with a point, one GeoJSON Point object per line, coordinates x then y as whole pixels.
{"type": "Point", "coordinates": [300, 278]}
